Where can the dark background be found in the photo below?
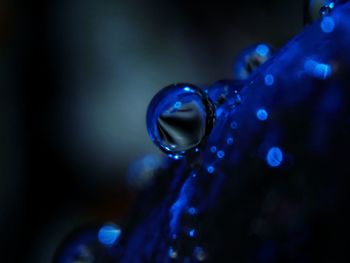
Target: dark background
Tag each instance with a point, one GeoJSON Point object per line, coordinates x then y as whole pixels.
{"type": "Point", "coordinates": [76, 77]}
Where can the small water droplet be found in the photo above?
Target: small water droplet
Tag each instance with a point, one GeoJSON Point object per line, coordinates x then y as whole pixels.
{"type": "Point", "coordinates": [179, 118]}
{"type": "Point", "coordinates": [221, 154]}
{"type": "Point", "coordinates": [262, 114]}
{"type": "Point", "coordinates": [109, 234]}
{"type": "Point", "coordinates": [274, 157]}
{"type": "Point", "coordinates": [210, 169]}
{"type": "Point", "coordinates": [251, 59]}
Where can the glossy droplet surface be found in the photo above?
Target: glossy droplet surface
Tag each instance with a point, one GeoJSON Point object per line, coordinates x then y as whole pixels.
{"type": "Point", "coordinates": [179, 117]}
{"type": "Point", "coordinates": [251, 59]}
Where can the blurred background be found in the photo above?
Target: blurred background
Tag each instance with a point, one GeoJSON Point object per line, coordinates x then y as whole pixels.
{"type": "Point", "coordinates": [76, 77]}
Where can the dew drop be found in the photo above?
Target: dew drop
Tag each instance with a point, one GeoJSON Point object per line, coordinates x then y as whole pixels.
{"type": "Point", "coordinates": [109, 234]}
{"type": "Point", "coordinates": [213, 149]}
{"type": "Point", "coordinates": [179, 118]}
{"type": "Point", "coordinates": [221, 154]}
{"type": "Point", "coordinates": [262, 114]}
{"type": "Point", "coordinates": [210, 169]}
{"type": "Point", "coordinates": [274, 157]}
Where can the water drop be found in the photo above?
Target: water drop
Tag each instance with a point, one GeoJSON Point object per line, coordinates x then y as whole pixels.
{"type": "Point", "coordinates": [262, 114]}
{"type": "Point", "coordinates": [274, 157]}
{"type": "Point", "coordinates": [221, 154]}
{"type": "Point", "coordinates": [109, 234]}
{"type": "Point", "coordinates": [179, 118]}
{"type": "Point", "coordinates": [210, 169]}
{"type": "Point", "coordinates": [213, 149]}
{"type": "Point", "coordinates": [251, 59]}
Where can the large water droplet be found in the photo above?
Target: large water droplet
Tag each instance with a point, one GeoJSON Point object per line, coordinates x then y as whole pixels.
{"type": "Point", "coordinates": [251, 59]}
{"type": "Point", "coordinates": [179, 118]}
